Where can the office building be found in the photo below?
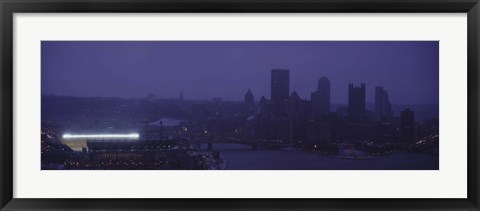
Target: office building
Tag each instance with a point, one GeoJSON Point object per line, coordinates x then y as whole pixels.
{"type": "Point", "coordinates": [280, 90]}
{"type": "Point", "coordinates": [249, 102]}
{"type": "Point", "coordinates": [356, 103]}
{"type": "Point", "coordinates": [320, 105]}
{"type": "Point", "coordinates": [407, 126]}
{"type": "Point", "coordinates": [383, 108]}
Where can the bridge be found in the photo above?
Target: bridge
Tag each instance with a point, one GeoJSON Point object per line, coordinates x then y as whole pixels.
{"type": "Point", "coordinates": [253, 143]}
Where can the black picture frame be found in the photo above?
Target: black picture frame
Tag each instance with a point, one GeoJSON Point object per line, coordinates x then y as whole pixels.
{"type": "Point", "coordinates": [9, 7]}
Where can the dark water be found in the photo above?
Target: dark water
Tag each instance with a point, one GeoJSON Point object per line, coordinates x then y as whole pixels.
{"type": "Point", "coordinates": [242, 157]}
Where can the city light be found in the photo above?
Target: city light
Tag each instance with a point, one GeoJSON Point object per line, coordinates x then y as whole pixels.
{"type": "Point", "coordinates": [126, 136]}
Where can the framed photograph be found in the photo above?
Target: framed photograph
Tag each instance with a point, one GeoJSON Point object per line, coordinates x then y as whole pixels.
{"type": "Point", "coordinates": [254, 105]}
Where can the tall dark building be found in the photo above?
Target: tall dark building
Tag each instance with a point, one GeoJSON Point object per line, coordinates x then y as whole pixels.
{"type": "Point", "coordinates": [356, 102]}
{"type": "Point", "coordinates": [249, 102]}
{"type": "Point", "coordinates": [383, 108]}
{"type": "Point", "coordinates": [321, 98]}
{"type": "Point", "coordinates": [407, 125]}
{"type": "Point", "coordinates": [280, 89]}
{"type": "Point", "coordinates": [294, 103]}
{"type": "Point", "coordinates": [297, 114]}
{"type": "Point", "coordinates": [263, 103]}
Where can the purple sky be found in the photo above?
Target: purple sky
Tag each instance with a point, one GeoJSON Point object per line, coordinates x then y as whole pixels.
{"type": "Point", "coordinates": [206, 69]}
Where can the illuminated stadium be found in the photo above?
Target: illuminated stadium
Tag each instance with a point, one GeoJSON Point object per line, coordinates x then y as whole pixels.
{"type": "Point", "coordinates": [79, 141]}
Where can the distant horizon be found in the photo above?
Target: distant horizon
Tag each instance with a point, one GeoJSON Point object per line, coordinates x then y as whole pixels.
{"type": "Point", "coordinates": [211, 99]}
{"type": "Point", "coordinates": [203, 70]}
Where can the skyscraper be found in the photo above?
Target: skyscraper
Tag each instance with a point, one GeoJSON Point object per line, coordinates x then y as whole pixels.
{"type": "Point", "coordinates": [356, 102]}
{"type": "Point", "coordinates": [407, 125]}
{"type": "Point", "coordinates": [280, 89]}
{"type": "Point", "coordinates": [297, 114]}
{"type": "Point", "coordinates": [321, 98]}
{"type": "Point", "coordinates": [249, 102]}
{"type": "Point", "coordinates": [383, 108]}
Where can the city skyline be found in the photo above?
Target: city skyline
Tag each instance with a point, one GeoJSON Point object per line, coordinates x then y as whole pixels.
{"type": "Point", "coordinates": [64, 65]}
{"type": "Point", "coordinates": [282, 126]}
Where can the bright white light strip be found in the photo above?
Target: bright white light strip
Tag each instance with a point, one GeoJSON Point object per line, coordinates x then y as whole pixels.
{"type": "Point", "coordinates": [131, 136]}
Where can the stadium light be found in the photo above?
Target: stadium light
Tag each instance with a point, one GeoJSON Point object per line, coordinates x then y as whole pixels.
{"type": "Point", "coordinates": [126, 136]}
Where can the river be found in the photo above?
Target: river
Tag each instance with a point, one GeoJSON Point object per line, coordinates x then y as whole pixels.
{"type": "Point", "coordinates": [243, 157]}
